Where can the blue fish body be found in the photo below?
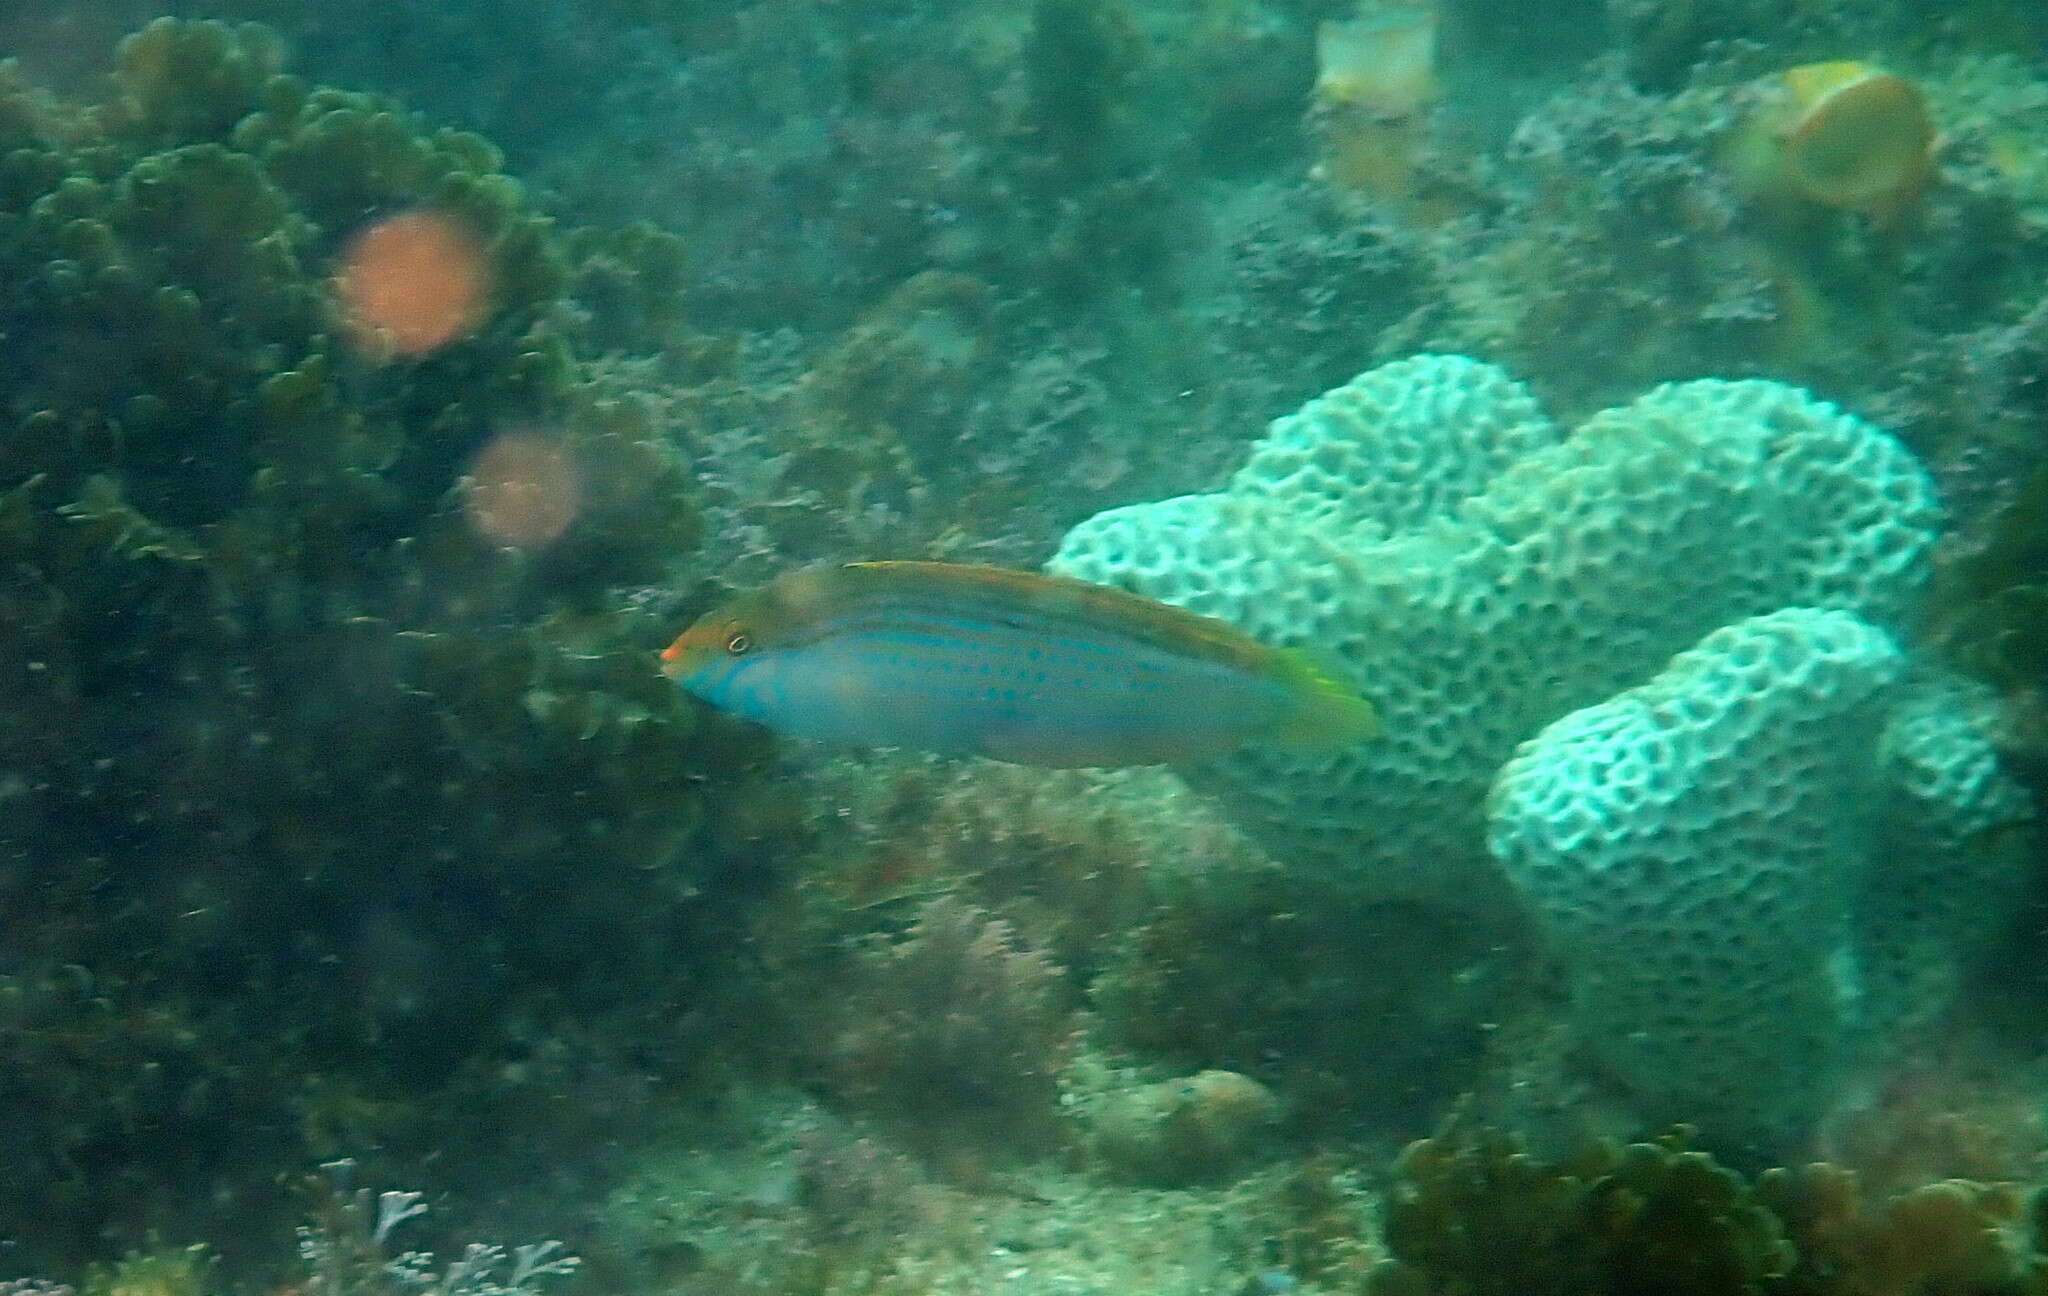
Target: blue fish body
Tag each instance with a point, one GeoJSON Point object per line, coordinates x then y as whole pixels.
{"type": "Point", "coordinates": [976, 661]}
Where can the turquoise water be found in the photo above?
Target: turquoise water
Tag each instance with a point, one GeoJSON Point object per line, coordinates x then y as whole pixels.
{"type": "Point", "coordinates": [1639, 405]}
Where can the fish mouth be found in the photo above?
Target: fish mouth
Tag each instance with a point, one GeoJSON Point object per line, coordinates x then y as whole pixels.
{"type": "Point", "coordinates": [694, 651]}
{"type": "Point", "coordinates": [682, 658]}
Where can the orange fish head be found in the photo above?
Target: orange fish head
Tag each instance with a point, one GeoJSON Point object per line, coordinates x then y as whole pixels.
{"type": "Point", "coordinates": [750, 623]}
{"type": "Point", "coordinates": [714, 636]}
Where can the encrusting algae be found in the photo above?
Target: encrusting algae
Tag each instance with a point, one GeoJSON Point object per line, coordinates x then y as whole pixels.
{"type": "Point", "coordinates": [1036, 670]}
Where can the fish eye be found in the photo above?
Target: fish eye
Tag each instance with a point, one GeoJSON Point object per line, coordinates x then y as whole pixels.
{"type": "Point", "coordinates": [738, 644]}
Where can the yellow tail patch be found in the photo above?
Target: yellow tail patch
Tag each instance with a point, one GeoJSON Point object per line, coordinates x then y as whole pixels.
{"type": "Point", "coordinates": [1327, 711]}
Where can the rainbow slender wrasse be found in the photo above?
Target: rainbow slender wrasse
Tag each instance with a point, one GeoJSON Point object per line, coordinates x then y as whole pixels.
{"type": "Point", "coordinates": [1037, 670]}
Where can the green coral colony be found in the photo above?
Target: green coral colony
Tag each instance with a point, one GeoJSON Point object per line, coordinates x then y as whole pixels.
{"type": "Point", "coordinates": [1555, 814]}
{"type": "Point", "coordinates": [260, 668]}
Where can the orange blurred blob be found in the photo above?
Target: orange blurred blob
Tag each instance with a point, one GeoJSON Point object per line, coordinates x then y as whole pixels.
{"type": "Point", "coordinates": [413, 282]}
{"type": "Point", "coordinates": [523, 490]}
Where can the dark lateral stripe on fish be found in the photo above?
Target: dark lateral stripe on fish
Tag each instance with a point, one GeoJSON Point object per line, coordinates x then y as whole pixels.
{"type": "Point", "coordinates": [1088, 609]}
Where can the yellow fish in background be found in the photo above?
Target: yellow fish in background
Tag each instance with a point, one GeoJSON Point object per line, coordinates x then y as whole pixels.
{"type": "Point", "coordinates": [1015, 666]}
{"type": "Point", "coordinates": [1844, 134]}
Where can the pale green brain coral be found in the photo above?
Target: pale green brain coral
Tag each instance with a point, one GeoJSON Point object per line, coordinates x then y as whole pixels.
{"type": "Point", "coordinates": [1483, 575]}
{"type": "Point", "coordinates": [1748, 900]}
{"type": "Point", "coordinates": [1692, 850]}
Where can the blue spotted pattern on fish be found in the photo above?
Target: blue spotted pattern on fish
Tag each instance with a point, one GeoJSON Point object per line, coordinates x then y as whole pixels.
{"type": "Point", "coordinates": [1038, 670]}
